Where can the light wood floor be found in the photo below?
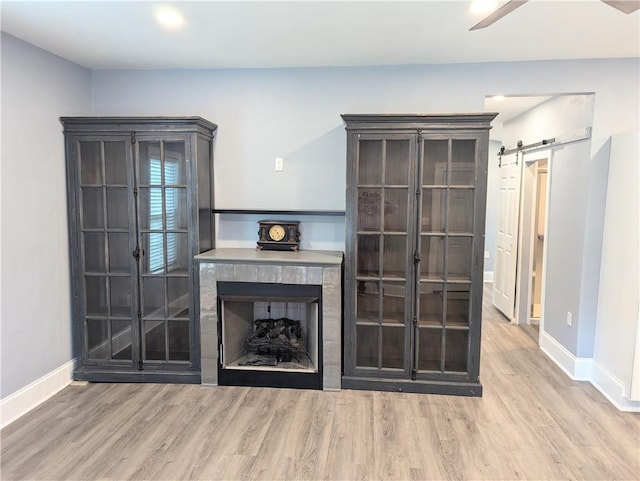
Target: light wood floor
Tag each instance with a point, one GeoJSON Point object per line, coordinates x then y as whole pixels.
{"type": "Point", "coordinates": [532, 423]}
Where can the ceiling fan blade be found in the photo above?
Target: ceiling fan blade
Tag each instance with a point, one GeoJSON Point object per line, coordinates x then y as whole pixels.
{"type": "Point", "coordinates": [625, 6]}
{"type": "Point", "coordinates": [505, 9]}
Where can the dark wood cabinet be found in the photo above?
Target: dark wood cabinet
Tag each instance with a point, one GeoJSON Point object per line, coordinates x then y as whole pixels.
{"type": "Point", "coordinates": [140, 194]}
{"type": "Point", "coordinates": [416, 191]}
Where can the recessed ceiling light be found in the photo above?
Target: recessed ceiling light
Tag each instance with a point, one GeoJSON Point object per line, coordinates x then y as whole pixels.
{"type": "Point", "coordinates": [483, 6]}
{"type": "Point", "coordinates": [497, 97]}
{"type": "Point", "coordinates": [169, 17]}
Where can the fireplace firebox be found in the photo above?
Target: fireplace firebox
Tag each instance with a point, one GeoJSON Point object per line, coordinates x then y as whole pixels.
{"type": "Point", "coordinates": [270, 335]}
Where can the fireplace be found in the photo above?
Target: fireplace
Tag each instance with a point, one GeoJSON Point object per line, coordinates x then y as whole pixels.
{"type": "Point", "coordinates": [244, 292]}
{"type": "Point", "coordinates": [270, 335]}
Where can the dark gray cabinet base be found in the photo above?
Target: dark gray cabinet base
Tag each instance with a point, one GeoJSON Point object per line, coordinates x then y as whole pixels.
{"type": "Point", "coordinates": [450, 388]}
{"type": "Point", "coordinates": [127, 375]}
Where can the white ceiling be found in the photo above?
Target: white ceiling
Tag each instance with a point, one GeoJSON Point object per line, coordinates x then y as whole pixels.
{"type": "Point", "coordinates": [244, 34]}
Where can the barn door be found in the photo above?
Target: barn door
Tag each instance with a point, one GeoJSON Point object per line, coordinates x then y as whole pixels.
{"type": "Point", "coordinates": [504, 283]}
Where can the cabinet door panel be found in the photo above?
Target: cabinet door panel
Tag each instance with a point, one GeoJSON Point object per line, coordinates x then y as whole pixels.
{"type": "Point", "coordinates": [178, 333]}
{"type": "Point", "coordinates": [154, 260]}
{"type": "Point", "coordinates": [370, 162]}
{"type": "Point", "coordinates": [395, 210]}
{"type": "Point", "coordinates": [458, 298]}
{"type": "Point", "coordinates": [463, 158]}
{"type": "Point", "coordinates": [96, 296]}
{"type": "Point", "coordinates": [429, 349]}
{"type": "Point", "coordinates": [431, 304]}
{"type": "Point", "coordinates": [175, 208]}
{"type": "Point", "coordinates": [367, 340]}
{"type": "Point", "coordinates": [433, 210]}
{"type": "Point", "coordinates": [397, 162]}
{"type": "Point", "coordinates": [92, 208]}
{"type": "Point", "coordinates": [368, 261]}
{"type": "Point", "coordinates": [432, 257]}
{"type": "Point", "coordinates": [94, 252]}
{"type": "Point", "coordinates": [97, 338]}
{"type": "Point", "coordinates": [459, 258]}
{"type": "Point", "coordinates": [164, 221]}
{"type": "Point", "coordinates": [368, 301]}
{"type": "Point", "coordinates": [154, 339]}
{"type": "Point", "coordinates": [153, 297]}
{"type": "Point", "coordinates": [178, 296]}
{"type": "Point", "coordinates": [120, 252]}
{"type": "Point", "coordinates": [393, 302]}
{"type": "Point", "coordinates": [461, 210]}
{"type": "Point", "coordinates": [120, 296]}
{"type": "Point", "coordinates": [105, 203]}
{"type": "Point", "coordinates": [394, 260]}
{"type": "Point", "coordinates": [121, 340]}
{"type": "Point", "coordinates": [456, 346]}
{"type": "Point", "coordinates": [150, 208]}
{"type": "Point", "coordinates": [91, 163]}
{"type": "Point", "coordinates": [369, 209]}
{"type": "Point", "coordinates": [393, 347]}
{"type": "Point", "coordinates": [118, 208]}
{"type": "Point", "coordinates": [435, 161]}
{"type": "Point", "coordinates": [150, 163]}
{"type": "Point", "coordinates": [384, 173]}
{"type": "Point", "coordinates": [115, 163]}
{"type": "Point", "coordinates": [177, 252]}
{"type": "Point", "coordinates": [174, 167]}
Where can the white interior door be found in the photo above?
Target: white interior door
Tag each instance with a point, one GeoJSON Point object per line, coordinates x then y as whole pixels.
{"type": "Point", "coordinates": [504, 280]}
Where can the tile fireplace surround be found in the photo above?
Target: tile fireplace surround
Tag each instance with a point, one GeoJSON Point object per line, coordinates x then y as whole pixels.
{"type": "Point", "coordinates": [307, 267]}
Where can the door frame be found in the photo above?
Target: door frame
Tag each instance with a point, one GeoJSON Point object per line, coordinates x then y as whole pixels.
{"type": "Point", "coordinates": [527, 226]}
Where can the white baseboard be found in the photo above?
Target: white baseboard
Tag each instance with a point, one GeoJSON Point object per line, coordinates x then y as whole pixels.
{"type": "Point", "coordinates": [587, 369]}
{"type": "Point", "coordinates": [488, 276]}
{"type": "Point", "coordinates": [577, 368]}
{"type": "Point", "coordinates": [612, 388]}
{"type": "Point", "coordinates": [30, 396]}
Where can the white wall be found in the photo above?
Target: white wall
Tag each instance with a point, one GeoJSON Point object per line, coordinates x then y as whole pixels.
{"type": "Point", "coordinates": [295, 114]}
{"type": "Point", "coordinates": [37, 88]}
{"type": "Point", "coordinates": [619, 289]}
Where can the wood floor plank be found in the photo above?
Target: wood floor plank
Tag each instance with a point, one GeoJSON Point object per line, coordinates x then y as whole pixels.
{"type": "Point", "coordinates": [532, 422]}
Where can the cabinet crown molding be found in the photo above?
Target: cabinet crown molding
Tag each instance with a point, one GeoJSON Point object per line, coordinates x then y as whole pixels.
{"type": "Point", "coordinates": [472, 121]}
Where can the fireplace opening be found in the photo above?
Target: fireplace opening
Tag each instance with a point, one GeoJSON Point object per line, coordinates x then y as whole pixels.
{"type": "Point", "coordinates": [270, 334]}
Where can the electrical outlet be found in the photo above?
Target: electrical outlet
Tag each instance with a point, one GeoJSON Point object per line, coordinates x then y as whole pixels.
{"type": "Point", "coordinates": [486, 254]}
{"type": "Point", "coordinates": [279, 164]}
{"type": "Point", "coordinates": [569, 318]}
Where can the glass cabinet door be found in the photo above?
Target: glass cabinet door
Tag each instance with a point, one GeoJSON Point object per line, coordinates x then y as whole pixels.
{"type": "Point", "coordinates": [382, 243]}
{"type": "Point", "coordinates": [164, 265]}
{"type": "Point", "coordinates": [448, 189]}
{"type": "Point", "coordinates": [108, 269]}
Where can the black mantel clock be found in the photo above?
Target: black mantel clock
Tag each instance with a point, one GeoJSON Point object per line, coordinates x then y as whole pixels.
{"type": "Point", "coordinates": [279, 235]}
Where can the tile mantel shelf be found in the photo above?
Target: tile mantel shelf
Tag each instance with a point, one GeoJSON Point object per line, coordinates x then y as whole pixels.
{"type": "Point", "coordinates": [308, 267]}
{"type": "Point", "coordinates": [255, 256]}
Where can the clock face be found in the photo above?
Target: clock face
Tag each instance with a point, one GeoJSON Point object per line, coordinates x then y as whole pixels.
{"type": "Point", "coordinates": [276, 232]}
